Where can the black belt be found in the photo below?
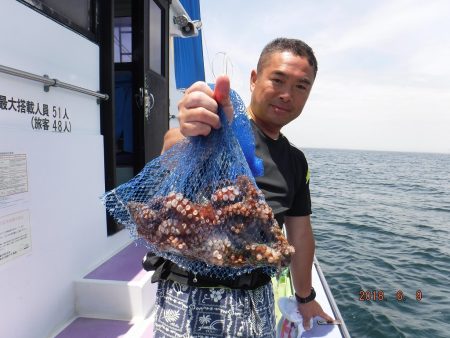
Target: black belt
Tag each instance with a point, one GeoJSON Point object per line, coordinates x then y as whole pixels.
{"type": "Point", "coordinates": [167, 270]}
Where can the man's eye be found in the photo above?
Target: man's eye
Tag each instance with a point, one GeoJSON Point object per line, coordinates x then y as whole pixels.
{"type": "Point", "coordinates": [276, 80]}
{"type": "Point", "coordinates": [301, 87]}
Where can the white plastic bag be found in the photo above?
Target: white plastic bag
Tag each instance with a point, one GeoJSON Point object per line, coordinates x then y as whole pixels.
{"type": "Point", "coordinates": [291, 323]}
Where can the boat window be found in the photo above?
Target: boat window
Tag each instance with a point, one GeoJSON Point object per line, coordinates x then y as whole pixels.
{"type": "Point", "coordinates": [122, 39]}
{"type": "Point", "coordinates": [78, 15]}
{"type": "Point", "coordinates": [155, 22]}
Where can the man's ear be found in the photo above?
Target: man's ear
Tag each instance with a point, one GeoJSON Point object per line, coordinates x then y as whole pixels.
{"type": "Point", "coordinates": [253, 77]}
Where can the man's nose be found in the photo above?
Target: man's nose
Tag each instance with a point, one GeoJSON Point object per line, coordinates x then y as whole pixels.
{"type": "Point", "coordinates": [285, 94]}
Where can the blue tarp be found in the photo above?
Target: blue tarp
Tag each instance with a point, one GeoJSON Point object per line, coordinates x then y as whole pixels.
{"type": "Point", "coordinates": [188, 52]}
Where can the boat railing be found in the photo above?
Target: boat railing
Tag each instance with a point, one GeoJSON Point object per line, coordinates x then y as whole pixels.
{"type": "Point", "coordinates": [334, 307]}
{"type": "Point", "coordinates": [48, 82]}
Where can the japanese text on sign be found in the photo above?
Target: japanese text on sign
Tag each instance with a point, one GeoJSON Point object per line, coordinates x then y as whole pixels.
{"type": "Point", "coordinates": [42, 116]}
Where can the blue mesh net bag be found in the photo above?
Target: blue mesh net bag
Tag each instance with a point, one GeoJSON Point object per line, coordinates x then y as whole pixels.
{"type": "Point", "coordinates": [198, 204]}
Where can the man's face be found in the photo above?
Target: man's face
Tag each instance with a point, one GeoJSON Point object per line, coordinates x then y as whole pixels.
{"type": "Point", "coordinates": [280, 89]}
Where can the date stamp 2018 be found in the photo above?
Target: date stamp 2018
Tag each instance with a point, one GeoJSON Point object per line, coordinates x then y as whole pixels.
{"type": "Point", "coordinates": [380, 296]}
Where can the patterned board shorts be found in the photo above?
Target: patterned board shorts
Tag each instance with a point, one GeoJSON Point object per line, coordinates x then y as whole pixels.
{"type": "Point", "coordinates": [183, 311]}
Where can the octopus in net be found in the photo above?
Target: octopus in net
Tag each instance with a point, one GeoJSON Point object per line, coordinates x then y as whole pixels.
{"type": "Point", "coordinates": [234, 228]}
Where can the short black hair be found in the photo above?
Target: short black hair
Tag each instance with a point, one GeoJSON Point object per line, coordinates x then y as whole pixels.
{"type": "Point", "coordinates": [295, 46]}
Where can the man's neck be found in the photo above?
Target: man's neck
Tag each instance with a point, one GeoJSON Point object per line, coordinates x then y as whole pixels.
{"type": "Point", "coordinates": [269, 131]}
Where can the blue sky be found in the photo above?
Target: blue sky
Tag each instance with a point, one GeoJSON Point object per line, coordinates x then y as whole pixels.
{"type": "Point", "coordinates": [384, 69]}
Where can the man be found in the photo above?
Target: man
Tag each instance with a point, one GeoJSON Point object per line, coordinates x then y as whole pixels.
{"type": "Point", "coordinates": [280, 87]}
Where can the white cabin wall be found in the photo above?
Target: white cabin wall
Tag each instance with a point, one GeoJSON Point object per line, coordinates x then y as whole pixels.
{"type": "Point", "coordinates": [65, 174]}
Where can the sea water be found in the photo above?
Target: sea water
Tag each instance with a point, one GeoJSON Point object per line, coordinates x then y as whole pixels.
{"type": "Point", "coordinates": [382, 226]}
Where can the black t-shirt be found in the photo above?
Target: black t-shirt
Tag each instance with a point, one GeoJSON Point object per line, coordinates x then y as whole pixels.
{"type": "Point", "coordinates": [285, 182]}
{"type": "Point", "coordinates": [285, 185]}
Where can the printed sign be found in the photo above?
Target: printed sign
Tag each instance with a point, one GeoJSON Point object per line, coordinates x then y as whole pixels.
{"type": "Point", "coordinates": [13, 174]}
{"type": "Point", "coordinates": [15, 235]}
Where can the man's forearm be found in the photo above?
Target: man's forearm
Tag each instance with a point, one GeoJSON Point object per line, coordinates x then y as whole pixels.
{"type": "Point", "coordinates": [171, 137]}
{"type": "Point", "coordinates": [302, 238]}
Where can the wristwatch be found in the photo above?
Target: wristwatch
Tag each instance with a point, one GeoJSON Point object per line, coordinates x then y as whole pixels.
{"type": "Point", "coordinates": [307, 299]}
